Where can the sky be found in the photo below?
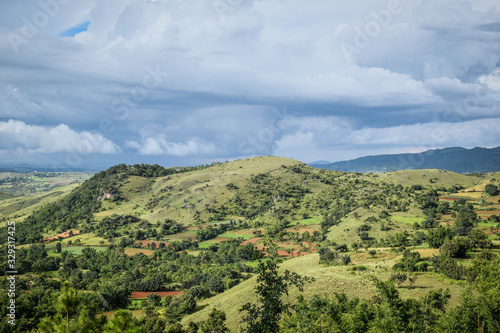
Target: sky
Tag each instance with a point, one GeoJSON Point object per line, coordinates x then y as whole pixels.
{"type": "Point", "coordinates": [189, 82]}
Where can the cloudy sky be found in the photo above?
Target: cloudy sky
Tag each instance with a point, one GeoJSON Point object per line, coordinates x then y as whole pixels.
{"type": "Point", "coordinates": [185, 82]}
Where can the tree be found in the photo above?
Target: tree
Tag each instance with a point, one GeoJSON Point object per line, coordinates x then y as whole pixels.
{"type": "Point", "coordinates": [58, 247]}
{"type": "Point", "coordinates": [215, 322]}
{"type": "Point", "coordinates": [264, 316]}
{"type": "Point", "coordinates": [215, 284]}
{"type": "Point", "coordinates": [398, 278]}
{"type": "Point", "coordinates": [154, 299]}
{"type": "Point", "coordinates": [68, 301]}
{"type": "Point", "coordinates": [491, 189]}
{"type": "Point", "coordinates": [437, 237]}
{"type": "Point", "coordinates": [456, 247]}
{"type": "Point", "coordinates": [478, 238]}
{"type": "Point", "coordinates": [123, 321]}
{"type": "Point", "coordinates": [199, 291]}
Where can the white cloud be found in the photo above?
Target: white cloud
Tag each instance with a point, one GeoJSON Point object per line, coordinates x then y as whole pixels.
{"type": "Point", "coordinates": [59, 139]}
{"type": "Point", "coordinates": [483, 132]}
{"type": "Point", "coordinates": [337, 140]}
{"type": "Point", "coordinates": [159, 145]}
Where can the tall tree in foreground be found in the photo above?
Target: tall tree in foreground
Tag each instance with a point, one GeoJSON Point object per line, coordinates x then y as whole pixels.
{"type": "Point", "coordinates": [264, 316]}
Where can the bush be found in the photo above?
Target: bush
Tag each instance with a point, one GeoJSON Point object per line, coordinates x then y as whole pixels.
{"type": "Point", "coordinates": [455, 248]}
{"type": "Point", "coordinates": [359, 268]}
{"type": "Point", "coordinates": [199, 292]}
{"type": "Point", "coordinates": [491, 189]}
{"type": "Point", "coordinates": [154, 299]}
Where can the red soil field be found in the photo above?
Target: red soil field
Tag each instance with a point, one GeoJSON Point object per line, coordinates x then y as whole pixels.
{"type": "Point", "coordinates": [282, 253]}
{"type": "Point", "coordinates": [488, 212]}
{"type": "Point", "coordinates": [63, 235]}
{"type": "Point", "coordinates": [145, 294]}
{"type": "Point", "coordinates": [253, 241]}
{"type": "Point", "coordinates": [454, 199]}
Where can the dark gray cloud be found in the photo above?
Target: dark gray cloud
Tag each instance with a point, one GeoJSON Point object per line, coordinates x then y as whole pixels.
{"type": "Point", "coordinates": [190, 81]}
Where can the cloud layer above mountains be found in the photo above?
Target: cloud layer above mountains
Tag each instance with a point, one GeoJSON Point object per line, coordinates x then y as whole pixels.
{"type": "Point", "coordinates": [191, 81]}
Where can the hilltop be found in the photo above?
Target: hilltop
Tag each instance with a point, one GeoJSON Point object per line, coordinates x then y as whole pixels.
{"type": "Point", "coordinates": [262, 191]}
{"type": "Point", "coordinates": [461, 160]}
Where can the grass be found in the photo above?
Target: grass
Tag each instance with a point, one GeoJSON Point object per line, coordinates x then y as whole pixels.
{"type": "Point", "coordinates": [18, 208]}
{"type": "Point", "coordinates": [233, 235]}
{"type": "Point", "coordinates": [78, 249]}
{"type": "Point", "coordinates": [407, 219]}
{"type": "Point", "coordinates": [206, 244]}
{"type": "Point", "coordinates": [34, 183]}
{"type": "Point", "coordinates": [346, 231]}
{"type": "Point", "coordinates": [485, 224]}
{"type": "Point", "coordinates": [254, 263]}
{"type": "Point", "coordinates": [329, 280]}
{"type": "Point", "coordinates": [423, 177]}
{"type": "Point", "coordinates": [308, 221]}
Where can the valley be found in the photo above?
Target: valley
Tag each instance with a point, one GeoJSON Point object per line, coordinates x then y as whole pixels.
{"type": "Point", "coordinates": [197, 237]}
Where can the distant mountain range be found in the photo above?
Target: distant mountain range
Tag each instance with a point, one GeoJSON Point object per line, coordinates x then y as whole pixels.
{"type": "Point", "coordinates": [457, 159]}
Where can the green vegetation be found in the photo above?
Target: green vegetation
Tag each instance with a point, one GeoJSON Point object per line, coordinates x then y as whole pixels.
{"type": "Point", "coordinates": [382, 250]}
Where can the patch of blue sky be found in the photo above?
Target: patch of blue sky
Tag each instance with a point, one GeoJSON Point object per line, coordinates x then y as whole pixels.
{"type": "Point", "coordinates": [73, 31]}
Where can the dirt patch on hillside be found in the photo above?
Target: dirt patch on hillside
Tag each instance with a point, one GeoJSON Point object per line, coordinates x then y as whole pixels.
{"type": "Point", "coordinates": [427, 253]}
{"type": "Point", "coordinates": [62, 235]}
{"type": "Point", "coordinates": [132, 252]}
{"type": "Point", "coordinates": [251, 241]}
{"type": "Point", "coordinates": [292, 253]}
{"type": "Point", "coordinates": [487, 212]}
{"type": "Point", "coordinates": [454, 199]}
{"type": "Point", "coordinates": [145, 294]}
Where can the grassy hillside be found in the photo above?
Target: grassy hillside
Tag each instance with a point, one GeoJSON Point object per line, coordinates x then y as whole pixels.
{"type": "Point", "coordinates": [19, 184]}
{"type": "Point", "coordinates": [328, 281]}
{"type": "Point", "coordinates": [433, 177]}
{"type": "Point", "coordinates": [150, 229]}
{"type": "Point", "coordinates": [14, 208]}
{"type": "Point", "coordinates": [188, 197]}
{"type": "Point", "coordinates": [263, 191]}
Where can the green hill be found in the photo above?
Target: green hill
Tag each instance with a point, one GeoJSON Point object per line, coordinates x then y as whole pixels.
{"type": "Point", "coordinates": [145, 228]}
{"type": "Point", "coordinates": [457, 159]}
{"type": "Point", "coordinates": [262, 191]}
